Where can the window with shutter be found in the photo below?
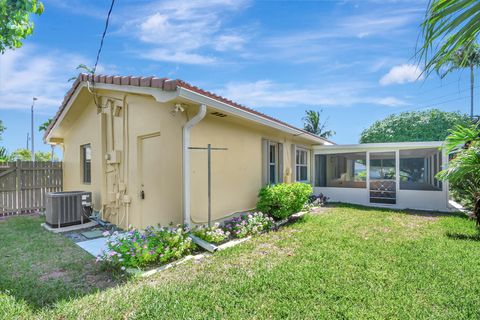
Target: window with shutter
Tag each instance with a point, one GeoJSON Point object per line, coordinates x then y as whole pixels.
{"type": "Point", "coordinates": [273, 163]}
{"type": "Point", "coordinates": [301, 165]}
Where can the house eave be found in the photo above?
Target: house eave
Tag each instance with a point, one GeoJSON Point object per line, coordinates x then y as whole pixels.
{"type": "Point", "coordinates": [378, 146]}
{"type": "Point", "coordinates": [224, 107]}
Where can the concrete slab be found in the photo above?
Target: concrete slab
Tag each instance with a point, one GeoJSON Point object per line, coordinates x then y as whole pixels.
{"type": "Point", "coordinates": [93, 234]}
{"type": "Point", "coordinates": [95, 246]}
{"type": "Point", "coordinates": [70, 228]}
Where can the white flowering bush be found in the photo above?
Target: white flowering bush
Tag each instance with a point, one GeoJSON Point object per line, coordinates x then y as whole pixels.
{"type": "Point", "coordinates": [248, 224]}
{"type": "Point", "coordinates": [154, 246]}
{"type": "Point", "coordinates": [213, 234]}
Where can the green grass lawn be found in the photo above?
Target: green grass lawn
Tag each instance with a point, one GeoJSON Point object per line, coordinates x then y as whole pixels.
{"type": "Point", "coordinates": [345, 262]}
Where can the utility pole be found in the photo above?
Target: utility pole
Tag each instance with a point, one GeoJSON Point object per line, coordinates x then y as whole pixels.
{"type": "Point", "coordinates": [32, 133]}
{"type": "Point", "coordinates": [28, 139]}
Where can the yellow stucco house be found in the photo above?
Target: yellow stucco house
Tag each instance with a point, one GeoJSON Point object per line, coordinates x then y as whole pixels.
{"type": "Point", "coordinates": [127, 140]}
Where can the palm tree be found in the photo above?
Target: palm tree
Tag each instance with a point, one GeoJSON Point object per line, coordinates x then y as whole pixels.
{"type": "Point", "coordinates": [3, 155]}
{"type": "Point", "coordinates": [43, 128]}
{"type": "Point", "coordinates": [465, 57]}
{"type": "Point", "coordinates": [313, 124]}
{"type": "Point", "coordinates": [448, 26]}
{"type": "Point", "coordinates": [463, 170]}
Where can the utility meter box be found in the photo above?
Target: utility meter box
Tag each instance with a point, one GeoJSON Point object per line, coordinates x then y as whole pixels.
{"type": "Point", "coordinates": [113, 157]}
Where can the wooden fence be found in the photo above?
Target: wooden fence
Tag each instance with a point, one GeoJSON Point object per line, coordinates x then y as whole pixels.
{"type": "Point", "coordinates": [24, 184]}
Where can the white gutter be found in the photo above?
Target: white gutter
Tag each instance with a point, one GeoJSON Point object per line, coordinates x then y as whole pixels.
{"type": "Point", "coordinates": [186, 162]}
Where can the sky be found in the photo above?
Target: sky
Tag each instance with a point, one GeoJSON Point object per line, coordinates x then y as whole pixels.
{"type": "Point", "coordinates": [353, 59]}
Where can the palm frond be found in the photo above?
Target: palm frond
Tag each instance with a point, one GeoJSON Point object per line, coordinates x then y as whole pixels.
{"type": "Point", "coordinates": [448, 26]}
{"type": "Point", "coordinates": [461, 136]}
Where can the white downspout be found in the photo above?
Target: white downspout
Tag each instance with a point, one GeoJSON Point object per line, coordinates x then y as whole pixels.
{"type": "Point", "coordinates": [186, 162]}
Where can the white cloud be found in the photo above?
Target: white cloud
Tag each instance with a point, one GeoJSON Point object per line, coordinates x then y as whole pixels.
{"type": "Point", "coordinates": [391, 102]}
{"type": "Point", "coordinates": [35, 72]}
{"type": "Point", "coordinates": [229, 42]}
{"type": "Point", "coordinates": [182, 31]}
{"type": "Point", "coordinates": [374, 23]}
{"type": "Point", "coordinates": [402, 74]}
{"type": "Point", "coordinates": [348, 33]}
{"type": "Point", "coordinates": [266, 93]}
{"type": "Point", "coordinates": [177, 57]}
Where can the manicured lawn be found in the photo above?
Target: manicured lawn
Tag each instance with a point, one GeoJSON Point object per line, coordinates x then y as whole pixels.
{"type": "Point", "coordinates": [346, 262]}
{"type": "Point", "coordinates": [42, 268]}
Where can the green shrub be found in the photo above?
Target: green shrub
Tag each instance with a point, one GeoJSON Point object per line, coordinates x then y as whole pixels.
{"type": "Point", "coordinates": [282, 200]}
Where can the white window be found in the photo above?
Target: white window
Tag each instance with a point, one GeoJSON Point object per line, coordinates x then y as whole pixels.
{"type": "Point", "coordinates": [272, 163]}
{"type": "Point", "coordinates": [86, 160]}
{"type": "Point", "coordinates": [301, 165]}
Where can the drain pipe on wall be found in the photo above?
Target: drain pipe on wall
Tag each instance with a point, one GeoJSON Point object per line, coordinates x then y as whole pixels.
{"type": "Point", "coordinates": [186, 162]}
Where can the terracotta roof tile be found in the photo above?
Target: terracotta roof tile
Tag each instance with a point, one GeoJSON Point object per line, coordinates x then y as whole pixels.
{"type": "Point", "coordinates": [164, 84]}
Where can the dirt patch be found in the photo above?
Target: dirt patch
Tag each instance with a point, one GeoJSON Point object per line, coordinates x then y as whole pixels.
{"type": "Point", "coordinates": [97, 278]}
{"type": "Point", "coordinates": [319, 210]}
{"type": "Point", "coordinates": [54, 275]}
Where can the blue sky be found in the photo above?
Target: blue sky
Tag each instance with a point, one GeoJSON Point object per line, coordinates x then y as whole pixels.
{"type": "Point", "coordinates": [353, 59]}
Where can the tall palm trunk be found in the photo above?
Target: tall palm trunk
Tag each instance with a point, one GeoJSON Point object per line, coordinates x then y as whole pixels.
{"type": "Point", "coordinates": [472, 80]}
{"type": "Point", "coordinates": [476, 210]}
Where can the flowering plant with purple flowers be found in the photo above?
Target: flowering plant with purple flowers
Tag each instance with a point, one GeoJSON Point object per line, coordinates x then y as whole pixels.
{"type": "Point", "coordinates": [213, 234]}
{"type": "Point", "coordinates": [155, 245]}
{"type": "Point", "coordinates": [248, 224]}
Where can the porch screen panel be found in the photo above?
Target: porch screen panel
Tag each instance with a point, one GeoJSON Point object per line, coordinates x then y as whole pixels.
{"type": "Point", "coordinates": [320, 170]}
{"type": "Point", "coordinates": [346, 170]}
{"type": "Point", "coordinates": [383, 178]}
{"type": "Point", "coordinates": [418, 168]}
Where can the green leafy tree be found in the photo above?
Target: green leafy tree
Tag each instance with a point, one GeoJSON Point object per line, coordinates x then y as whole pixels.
{"type": "Point", "coordinates": [463, 170]}
{"type": "Point", "coordinates": [313, 124]}
{"type": "Point", "coordinates": [15, 23]}
{"type": "Point", "coordinates": [448, 26]}
{"type": "Point", "coordinates": [465, 57]}
{"type": "Point", "coordinates": [44, 156]}
{"type": "Point", "coordinates": [429, 125]}
{"type": "Point", "coordinates": [21, 154]}
{"type": "Point", "coordinates": [43, 128]}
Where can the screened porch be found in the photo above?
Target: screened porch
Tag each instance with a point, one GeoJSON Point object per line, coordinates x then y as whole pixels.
{"type": "Point", "coordinates": [400, 175]}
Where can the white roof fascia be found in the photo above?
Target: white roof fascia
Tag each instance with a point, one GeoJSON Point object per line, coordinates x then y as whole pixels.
{"type": "Point", "coordinates": [157, 93]}
{"type": "Point", "coordinates": [390, 146]}
{"type": "Point", "coordinates": [200, 98]}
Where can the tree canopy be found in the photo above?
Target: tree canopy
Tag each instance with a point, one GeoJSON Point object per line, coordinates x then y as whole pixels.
{"type": "Point", "coordinates": [15, 23]}
{"type": "Point", "coordinates": [20, 154]}
{"type": "Point", "coordinates": [429, 125]}
{"type": "Point", "coordinates": [44, 156]}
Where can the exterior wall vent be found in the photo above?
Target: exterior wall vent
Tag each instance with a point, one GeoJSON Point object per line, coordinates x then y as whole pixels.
{"type": "Point", "coordinates": [218, 114]}
{"type": "Point", "coordinates": [67, 208]}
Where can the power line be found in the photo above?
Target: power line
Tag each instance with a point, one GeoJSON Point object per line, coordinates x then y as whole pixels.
{"type": "Point", "coordinates": [103, 36]}
{"type": "Point", "coordinates": [440, 86]}
{"type": "Point", "coordinates": [448, 95]}
{"type": "Point", "coordinates": [435, 104]}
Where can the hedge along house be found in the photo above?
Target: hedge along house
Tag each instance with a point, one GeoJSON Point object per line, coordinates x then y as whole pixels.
{"type": "Point", "coordinates": [397, 175]}
{"type": "Point", "coordinates": [127, 139]}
